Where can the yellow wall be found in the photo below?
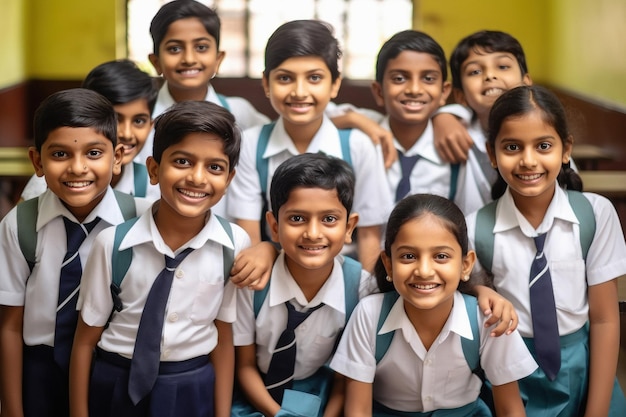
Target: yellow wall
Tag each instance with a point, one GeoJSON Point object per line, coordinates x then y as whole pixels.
{"type": "Point", "coordinates": [577, 45]}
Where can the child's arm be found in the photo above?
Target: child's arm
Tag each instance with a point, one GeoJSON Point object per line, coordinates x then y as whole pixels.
{"type": "Point", "coordinates": [604, 330]}
{"type": "Point", "coordinates": [353, 119]}
{"type": "Point", "coordinates": [11, 360]}
{"type": "Point", "coordinates": [223, 359]}
{"type": "Point", "coordinates": [451, 138]}
{"type": "Point", "coordinates": [334, 407]}
{"type": "Point", "coordinates": [507, 400]}
{"type": "Point", "coordinates": [369, 245]}
{"type": "Point", "coordinates": [85, 340]}
{"type": "Point", "coordinates": [251, 382]}
{"type": "Point", "coordinates": [358, 398]}
{"type": "Point", "coordinates": [253, 266]}
{"type": "Point", "coordinates": [496, 308]}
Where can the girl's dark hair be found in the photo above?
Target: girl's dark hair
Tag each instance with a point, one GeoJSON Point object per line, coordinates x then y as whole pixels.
{"type": "Point", "coordinates": [523, 100]}
{"type": "Point", "coordinates": [413, 207]}
{"type": "Point", "coordinates": [303, 38]}
{"type": "Point", "coordinates": [183, 9]}
{"type": "Point", "coordinates": [410, 40]}
{"type": "Point", "coordinates": [75, 107]}
{"type": "Point", "coordinates": [186, 117]}
{"type": "Point", "coordinates": [121, 82]}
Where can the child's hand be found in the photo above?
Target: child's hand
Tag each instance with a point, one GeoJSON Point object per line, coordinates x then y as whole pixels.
{"type": "Point", "coordinates": [378, 134]}
{"type": "Point", "coordinates": [253, 266]}
{"type": "Point", "coordinates": [498, 310]}
{"type": "Point", "coordinates": [451, 138]}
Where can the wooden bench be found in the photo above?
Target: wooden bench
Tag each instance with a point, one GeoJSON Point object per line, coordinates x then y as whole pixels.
{"type": "Point", "coordinates": [588, 156]}
{"type": "Point", "coordinates": [14, 162]}
{"type": "Point", "coordinates": [611, 184]}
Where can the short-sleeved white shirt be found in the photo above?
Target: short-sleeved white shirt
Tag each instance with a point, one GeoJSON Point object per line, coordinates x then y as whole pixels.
{"type": "Point", "coordinates": [372, 200]}
{"type": "Point", "coordinates": [38, 291]}
{"type": "Point", "coordinates": [198, 296]}
{"type": "Point", "coordinates": [315, 337]}
{"type": "Point", "coordinates": [514, 250]}
{"type": "Point", "coordinates": [411, 378]}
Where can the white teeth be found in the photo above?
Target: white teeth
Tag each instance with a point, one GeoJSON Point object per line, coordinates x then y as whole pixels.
{"type": "Point", "coordinates": [192, 194]}
{"type": "Point", "coordinates": [77, 184]}
{"type": "Point", "coordinates": [414, 103]}
{"type": "Point", "coordinates": [189, 72]}
{"type": "Point", "coordinates": [300, 104]}
{"type": "Point", "coordinates": [493, 92]}
{"type": "Point", "coordinates": [529, 177]}
{"type": "Point", "coordinates": [311, 248]}
{"type": "Point", "coordinates": [425, 286]}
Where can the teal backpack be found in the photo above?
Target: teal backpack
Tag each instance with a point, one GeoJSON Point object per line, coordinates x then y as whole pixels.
{"type": "Point", "coordinates": [121, 259]}
{"type": "Point", "coordinates": [140, 174]}
{"type": "Point", "coordinates": [223, 101]}
{"type": "Point", "coordinates": [486, 220]}
{"type": "Point", "coordinates": [27, 212]}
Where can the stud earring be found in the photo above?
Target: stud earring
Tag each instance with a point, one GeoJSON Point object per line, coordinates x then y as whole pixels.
{"type": "Point", "coordinates": [388, 278]}
{"type": "Point", "coordinates": [465, 278]}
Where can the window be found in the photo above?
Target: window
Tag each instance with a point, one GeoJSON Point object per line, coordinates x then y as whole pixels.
{"type": "Point", "coordinates": [361, 26]}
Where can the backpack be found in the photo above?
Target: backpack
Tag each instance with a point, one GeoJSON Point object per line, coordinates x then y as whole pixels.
{"type": "Point", "coordinates": [140, 174]}
{"type": "Point", "coordinates": [27, 213]}
{"type": "Point", "coordinates": [351, 279]}
{"type": "Point", "coordinates": [486, 220]}
{"type": "Point", "coordinates": [223, 102]}
{"type": "Point", "coordinates": [121, 259]}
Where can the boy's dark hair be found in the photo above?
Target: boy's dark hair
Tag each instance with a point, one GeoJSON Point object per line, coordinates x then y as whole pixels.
{"type": "Point", "coordinates": [76, 107]}
{"type": "Point", "coordinates": [191, 116]}
{"type": "Point", "coordinates": [489, 41]}
{"type": "Point", "coordinates": [183, 9]}
{"type": "Point", "coordinates": [410, 40]}
{"type": "Point", "coordinates": [121, 82]}
{"type": "Point", "coordinates": [303, 38]}
{"type": "Point", "coordinates": [312, 170]}
{"type": "Point", "coordinates": [520, 101]}
{"type": "Point", "coordinates": [416, 206]}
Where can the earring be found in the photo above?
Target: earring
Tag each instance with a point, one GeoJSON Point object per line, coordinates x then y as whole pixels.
{"type": "Point", "coordinates": [494, 165]}
{"type": "Point", "coordinates": [465, 278]}
{"type": "Point", "coordinates": [388, 278]}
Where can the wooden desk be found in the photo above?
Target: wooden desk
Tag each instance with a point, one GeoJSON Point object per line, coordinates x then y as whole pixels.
{"type": "Point", "coordinates": [610, 184]}
{"type": "Point", "coordinates": [14, 162]}
{"type": "Point", "coordinates": [587, 156]}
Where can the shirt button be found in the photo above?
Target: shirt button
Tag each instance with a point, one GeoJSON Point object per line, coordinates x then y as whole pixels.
{"type": "Point", "coordinates": [180, 273]}
{"type": "Point", "coordinates": [173, 317]}
{"type": "Point", "coordinates": [427, 362]}
{"type": "Point", "coordinates": [166, 353]}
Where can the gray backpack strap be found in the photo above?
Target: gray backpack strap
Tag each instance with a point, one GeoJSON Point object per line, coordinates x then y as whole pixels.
{"type": "Point", "coordinates": [126, 203]}
{"type": "Point", "coordinates": [140, 176]}
{"type": "Point", "coordinates": [383, 341]}
{"type": "Point", "coordinates": [352, 280]}
{"type": "Point", "coordinates": [483, 239]}
{"type": "Point", "coordinates": [228, 254]}
{"type": "Point", "coordinates": [27, 212]}
{"type": "Point", "coordinates": [471, 348]}
{"type": "Point", "coordinates": [120, 261]}
{"type": "Point", "coordinates": [344, 139]}
{"type": "Point", "coordinates": [454, 179]}
{"type": "Point", "coordinates": [586, 218]}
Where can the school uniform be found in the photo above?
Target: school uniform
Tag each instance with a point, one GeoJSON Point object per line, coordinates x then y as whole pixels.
{"type": "Point", "coordinates": [37, 291]}
{"type": "Point", "coordinates": [316, 337]}
{"type": "Point", "coordinates": [410, 378]}
{"type": "Point", "coordinates": [571, 274]}
{"type": "Point", "coordinates": [200, 294]}
{"type": "Point", "coordinates": [126, 184]}
{"type": "Point", "coordinates": [244, 200]}
{"type": "Point", "coordinates": [430, 174]}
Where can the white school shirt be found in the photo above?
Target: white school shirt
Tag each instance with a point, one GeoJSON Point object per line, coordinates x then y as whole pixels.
{"type": "Point", "coordinates": [315, 337]}
{"type": "Point", "coordinates": [430, 174]}
{"type": "Point", "coordinates": [126, 184]}
{"type": "Point", "coordinates": [410, 378]}
{"type": "Point", "coordinates": [38, 292]}
{"type": "Point", "coordinates": [514, 250]}
{"type": "Point", "coordinates": [199, 294]}
{"type": "Point", "coordinates": [372, 200]}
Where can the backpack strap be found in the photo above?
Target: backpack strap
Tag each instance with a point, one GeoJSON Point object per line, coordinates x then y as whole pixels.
{"type": "Point", "coordinates": [223, 101]}
{"type": "Point", "coordinates": [383, 341]}
{"type": "Point", "coordinates": [228, 254]}
{"type": "Point", "coordinates": [454, 179]}
{"type": "Point", "coordinates": [140, 175]}
{"type": "Point", "coordinates": [27, 212]}
{"type": "Point", "coordinates": [344, 140]}
{"type": "Point", "coordinates": [484, 237]}
{"type": "Point", "coordinates": [262, 164]}
{"type": "Point", "coordinates": [471, 348]}
{"type": "Point", "coordinates": [126, 203]}
{"type": "Point", "coordinates": [586, 219]}
{"type": "Point", "coordinates": [120, 261]}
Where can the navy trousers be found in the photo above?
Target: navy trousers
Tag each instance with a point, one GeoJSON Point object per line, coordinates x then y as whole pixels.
{"type": "Point", "coordinates": [45, 386]}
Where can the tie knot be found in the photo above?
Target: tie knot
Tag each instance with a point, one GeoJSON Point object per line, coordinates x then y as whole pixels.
{"type": "Point", "coordinates": [295, 318]}
{"type": "Point", "coordinates": [539, 242]}
{"type": "Point", "coordinates": [172, 263]}
{"type": "Point", "coordinates": [77, 232]}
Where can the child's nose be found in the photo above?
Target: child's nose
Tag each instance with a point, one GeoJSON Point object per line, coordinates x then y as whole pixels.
{"type": "Point", "coordinates": [78, 165]}
{"type": "Point", "coordinates": [312, 231]}
{"type": "Point", "coordinates": [413, 87]}
{"type": "Point", "coordinates": [189, 56]}
{"type": "Point", "coordinates": [124, 130]}
{"type": "Point", "coordinates": [198, 174]}
{"type": "Point", "coordinates": [528, 158]}
{"type": "Point", "coordinates": [299, 89]}
{"type": "Point", "coordinates": [424, 268]}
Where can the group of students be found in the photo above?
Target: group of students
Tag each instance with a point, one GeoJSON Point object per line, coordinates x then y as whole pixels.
{"type": "Point", "coordinates": [172, 302]}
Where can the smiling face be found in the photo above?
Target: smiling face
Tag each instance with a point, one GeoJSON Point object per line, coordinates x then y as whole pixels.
{"type": "Point", "coordinates": [78, 164]}
{"type": "Point", "coordinates": [485, 76]}
{"type": "Point", "coordinates": [133, 127]}
{"type": "Point", "coordinates": [312, 227]}
{"type": "Point", "coordinates": [529, 155]}
{"type": "Point", "coordinates": [193, 175]}
{"type": "Point", "coordinates": [412, 88]}
{"type": "Point", "coordinates": [299, 90]}
{"type": "Point", "coordinates": [426, 264]}
{"type": "Point", "coordinates": [188, 59]}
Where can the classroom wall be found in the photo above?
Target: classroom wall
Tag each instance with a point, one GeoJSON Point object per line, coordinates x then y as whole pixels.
{"type": "Point", "coordinates": [12, 61]}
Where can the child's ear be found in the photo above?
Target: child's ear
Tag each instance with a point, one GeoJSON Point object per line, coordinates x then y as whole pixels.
{"type": "Point", "coordinates": [468, 263]}
{"type": "Point", "coordinates": [118, 156]}
{"type": "Point", "coordinates": [353, 219]}
{"type": "Point", "coordinates": [35, 159]}
{"type": "Point", "coordinates": [218, 61]}
{"type": "Point", "coordinates": [445, 92]}
{"type": "Point", "coordinates": [335, 88]}
{"type": "Point", "coordinates": [266, 86]}
{"type": "Point", "coordinates": [459, 96]}
{"type": "Point", "coordinates": [387, 263]}
{"type": "Point", "coordinates": [153, 170]}
{"type": "Point", "coordinates": [231, 175]}
{"type": "Point", "coordinates": [526, 80]}
{"type": "Point", "coordinates": [377, 92]}
{"type": "Point", "coordinates": [273, 224]}
{"type": "Point", "coordinates": [154, 60]}
{"type": "Point", "coordinates": [567, 148]}
{"type": "Point", "coordinates": [492, 155]}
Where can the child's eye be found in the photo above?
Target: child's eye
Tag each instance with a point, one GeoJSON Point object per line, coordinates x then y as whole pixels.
{"type": "Point", "coordinates": [202, 48]}
{"type": "Point", "coordinates": [216, 168]}
{"type": "Point", "coordinates": [430, 79]}
{"type": "Point", "coordinates": [504, 67]}
{"type": "Point", "coordinates": [329, 219]}
{"type": "Point", "coordinates": [398, 79]}
{"type": "Point", "coordinates": [296, 218]}
{"type": "Point", "coordinates": [472, 72]}
{"type": "Point", "coordinates": [174, 49]}
{"type": "Point", "coordinates": [140, 121]}
{"type": "Point", "coordinates": [544, 146]}
{"type": "Point", "coordinates": [442, 256]}
{"type": "Point", "coordinates": [182, 161]}
{"type": "Point", "coordinates": [407, 256]}
{"type": "Point", "coordinates": [59, 154]}
{"type": "Point", "coordinates": [315, 78]}
{"type": "Point", "coordinates": [94, 153]}
{"type": "Point", "coordinates": [283, 78]}
{"type": "Point", "coordinates": [511, 147]}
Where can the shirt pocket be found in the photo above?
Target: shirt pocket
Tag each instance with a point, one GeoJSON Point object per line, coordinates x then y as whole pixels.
{"type": "Point", "coordinates": [569, 284]}
{"type": "Point", "coordinates": [207, 301]}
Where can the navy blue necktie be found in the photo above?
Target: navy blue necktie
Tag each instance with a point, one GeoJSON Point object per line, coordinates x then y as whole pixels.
{"type": "Point", "coordinates": [69, 283]}
{"type": "Point", "coordinates": [279, 375]}
{"type": "Point", "coordinates": [543, 312]}
{"type": "Point", "coordinates": [144, 366]}
{"type": "Point", "coordinates": [407, 163]}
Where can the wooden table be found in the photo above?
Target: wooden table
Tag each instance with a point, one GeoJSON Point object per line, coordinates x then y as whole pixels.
{"type": "Point", "coordinates": [610, 184]}
{"type": "Point", "coordinates": [587, 156]}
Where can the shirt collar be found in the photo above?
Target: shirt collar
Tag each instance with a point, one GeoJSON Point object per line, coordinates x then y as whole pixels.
{"type": "Point", "coordinates": [165, 99]}
{"type": "Point", "coordinates": [326, 139]}
{"type": "Point", "coordinates": [423, 147]}
{"type": "Point", "coordinates": [284, 287]}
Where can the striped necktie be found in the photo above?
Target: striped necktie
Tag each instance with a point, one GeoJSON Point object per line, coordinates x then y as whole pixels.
{"type": "Point", "coordinates": [407, 163]}
{"type": "Point", "coordinates": [543, 312]}
{"type": "Point", "coordinates": [69, 283]}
